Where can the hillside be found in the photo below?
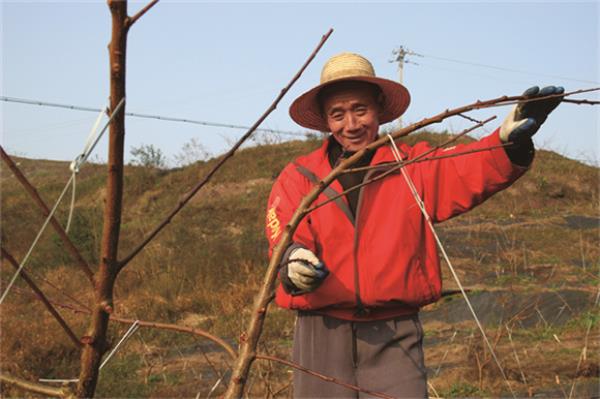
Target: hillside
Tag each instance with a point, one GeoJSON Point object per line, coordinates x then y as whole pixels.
{"type": "Point", "coordinates": [529, 255]}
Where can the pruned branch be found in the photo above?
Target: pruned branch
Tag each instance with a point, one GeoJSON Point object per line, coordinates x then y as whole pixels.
{"type": "Point", "coordinates": [323, 376]}
{"type": "Point", "coordinates": [46, 211]}
{"type": "Point", "coordinates": [47, 390]}
{"type": "Point", "coordinates": [40, 295]}
{"type": "Point", "coordinates": [225, 157]}
{"type": "Point", "coordinates": [390, 168]}
{"type": "Point", "coordinates": [129, 21]}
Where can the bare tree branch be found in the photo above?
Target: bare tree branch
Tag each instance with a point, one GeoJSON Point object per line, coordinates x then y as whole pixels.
{"type": "Point", "coordinates": [392, 167]}
{"type": "Point", "coordinates": [95, 342]}
{"type": "Point", "coordinates": [225, 157]}
{"type": "Point", "coordinates": [129, 21]}
{"type": "Point", "coordinates": [46, 211]}
{"type": "Point", "coordinates": [40, 295]}
{"type": "Point", "coordinates": [323, 377]}
{"type": "Point", "coordinates": [522, 99]}
{"type": "Point", "coordinates": [47, 390]}
{"type": "Point", "coordinates": [161, 326]}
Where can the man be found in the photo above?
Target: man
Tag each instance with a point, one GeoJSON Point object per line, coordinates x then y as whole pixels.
{"type": "Point", "coordinates": [360, 268]}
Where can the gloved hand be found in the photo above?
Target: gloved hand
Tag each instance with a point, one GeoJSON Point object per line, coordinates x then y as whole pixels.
{"type": "Point", "coordinates": [305, 270]}
{"type": "Point", "coordinates": [525, 118]}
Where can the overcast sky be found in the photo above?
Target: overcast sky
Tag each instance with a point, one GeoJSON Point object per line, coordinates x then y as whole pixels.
{"type": "Point", "coordinates": [225, 62]}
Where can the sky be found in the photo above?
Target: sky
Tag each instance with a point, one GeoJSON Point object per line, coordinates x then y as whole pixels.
{"type": "Point", "coordinates": [225, 62]}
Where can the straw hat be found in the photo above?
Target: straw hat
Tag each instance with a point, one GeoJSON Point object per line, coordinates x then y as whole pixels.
{"type": "Point", "coordinates": [305, 110]}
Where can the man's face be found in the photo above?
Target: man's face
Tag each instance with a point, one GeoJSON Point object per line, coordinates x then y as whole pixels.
{"type": "Point", "coordinates": [352, 114]}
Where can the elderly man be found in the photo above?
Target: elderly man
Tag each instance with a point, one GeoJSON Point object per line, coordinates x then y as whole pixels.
{"type": "Point", "coordinates": [360, 268]}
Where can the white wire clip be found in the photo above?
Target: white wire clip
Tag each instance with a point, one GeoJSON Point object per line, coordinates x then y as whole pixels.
{"type": "Point", "coordinates": [93, 138]}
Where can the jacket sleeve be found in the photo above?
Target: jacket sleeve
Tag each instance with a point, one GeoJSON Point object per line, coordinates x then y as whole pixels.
{"type": "Point", "coordinates": [286, 194]}
{"type": "Point", "coordinates": [454, 185]}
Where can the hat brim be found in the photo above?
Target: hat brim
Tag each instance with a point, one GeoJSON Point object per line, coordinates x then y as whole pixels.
{"type": "Point", "coordinates": [305, 110]}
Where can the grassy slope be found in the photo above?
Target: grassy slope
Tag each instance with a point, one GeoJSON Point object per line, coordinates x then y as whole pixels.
{"type": "Point", "coordinates": [539, 236]}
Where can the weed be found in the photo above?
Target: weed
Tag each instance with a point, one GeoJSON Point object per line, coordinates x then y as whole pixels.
{"type": "Point", "coordinates": [462, 389]}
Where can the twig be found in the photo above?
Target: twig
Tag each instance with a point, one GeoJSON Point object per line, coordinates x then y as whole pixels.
{"type": "Point", "coordinates": [46, 211]}
{"type": "Point", "coordinates": [163, 326]}
{"type": "Point", "coordinates": [395, 166]}
{"type": "Point", "coordinates": [40, 295]}
{"type": "Point", "coordinates": [422, 157]}
{"type": "Point", "coordinates": [322, 376]}
{"type": "Point", "coordinates": [63, 392]}
{"type": "Point", "coordinates": [522, 99]}
{"type": "Point", "coordinates": [283, 388]}
{"type": "Point", "coordinates": [512, 345]}
{"type": "Point", "coordinates": [437, 395]}
{"type": "Point", "coordinates": [589, 102]}
{"type": "Point", "coordinates": [129, 21]}
{"type": "Point", "coordinates": [59, 290]}
{"type": "Point", "coordinates": [225, 157]}
{"type": "Point", "coordinates": [437, 371]}
{"type": "Point", "coordinates": [469, 118]}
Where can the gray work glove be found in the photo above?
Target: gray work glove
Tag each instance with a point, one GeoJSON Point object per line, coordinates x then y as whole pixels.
{"type": "Point", "coordinates": [305, 271]}
{"type": "Point", "coordinates": [525, 118]}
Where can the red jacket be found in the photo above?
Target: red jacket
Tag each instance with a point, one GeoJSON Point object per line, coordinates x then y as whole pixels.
{"type": "Point", "coordinates": [387, 258]}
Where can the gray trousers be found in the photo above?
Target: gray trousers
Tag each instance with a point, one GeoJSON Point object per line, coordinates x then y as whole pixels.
{"type": "Point", "coordinates": [383, 356]}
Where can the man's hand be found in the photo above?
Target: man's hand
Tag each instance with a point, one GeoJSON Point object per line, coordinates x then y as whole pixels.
{"type": "Point", "coordinates": [305, 270]}
{"type": "Point", "coordinates": [526, 118]}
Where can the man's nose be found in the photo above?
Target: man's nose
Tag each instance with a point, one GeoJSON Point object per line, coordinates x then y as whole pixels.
{"type": "Point", "coordinates": [351, 121]}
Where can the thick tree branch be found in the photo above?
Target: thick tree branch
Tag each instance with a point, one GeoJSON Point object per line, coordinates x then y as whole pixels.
{"type": "Point", "coordinates": [46, 211]}
{"type": "Point", "coordinates": [129, 21]}
{"type": "Point", "coordinates": [40, 295]}
{"type": "Point", "coordinates": [95, 342]}
{"type": "Point", "coordinates": [46, 390]}
{"type": "Point", "coordinates": [225, 157]}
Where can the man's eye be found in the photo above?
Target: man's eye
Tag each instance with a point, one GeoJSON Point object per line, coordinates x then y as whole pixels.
{"type": "Point", "coordinates": [337, 116]}
{"type": "Point", "coordinates": [361, 111]}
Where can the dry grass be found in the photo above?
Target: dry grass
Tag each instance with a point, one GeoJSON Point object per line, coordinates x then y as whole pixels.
{"type": "Point", "coordinates": [205, 268]}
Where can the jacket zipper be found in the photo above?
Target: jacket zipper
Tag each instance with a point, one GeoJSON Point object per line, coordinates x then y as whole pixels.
{"type": "Point", "coordinates": [361, 309]}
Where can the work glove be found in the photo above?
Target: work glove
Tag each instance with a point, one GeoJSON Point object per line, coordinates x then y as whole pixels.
{"type": "Point", "coordinates": [525, 118]}
{"type": "Point", "coordinates": [305, 271]}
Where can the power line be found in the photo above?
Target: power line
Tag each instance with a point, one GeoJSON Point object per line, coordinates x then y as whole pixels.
{"type": "Point", "coordinates": [506, 69]}
{"type": "Point", "coordinates": [147, 116]}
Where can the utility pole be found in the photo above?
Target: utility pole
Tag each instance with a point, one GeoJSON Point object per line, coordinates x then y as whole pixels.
{"type": "Point", "coordinates": [400, 53]}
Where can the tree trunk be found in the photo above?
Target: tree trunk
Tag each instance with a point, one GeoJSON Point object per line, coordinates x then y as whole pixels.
{"type": "Point", "coordinates": [95, 343]}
